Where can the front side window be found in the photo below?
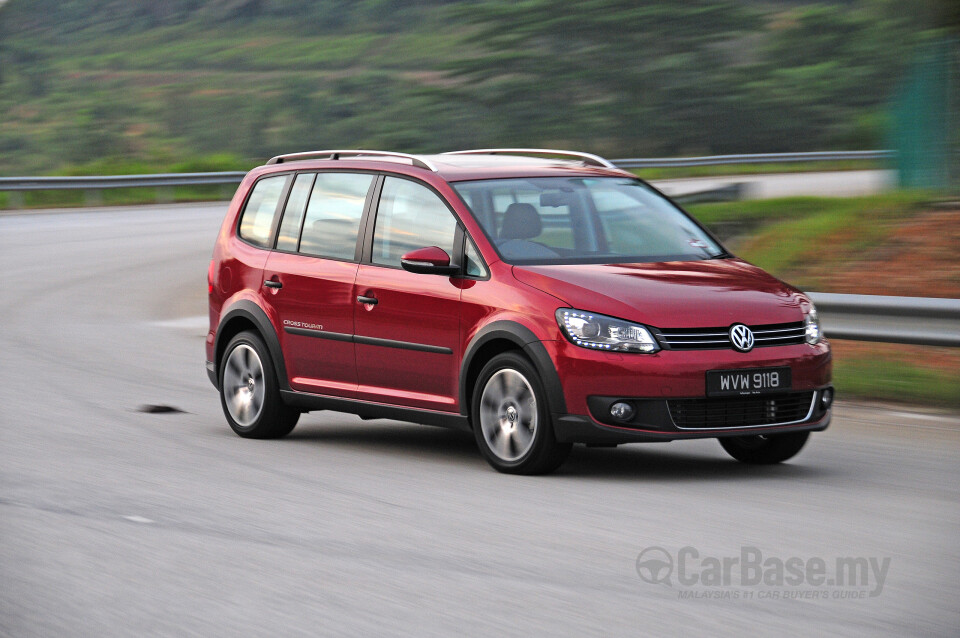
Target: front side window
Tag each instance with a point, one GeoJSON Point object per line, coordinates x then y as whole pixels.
{"type": "Point", "coordinates": [332, 221]}
{"type": "Point", "coordinates": [257, 220]}
{"type": "Point", "coordinates": [410, 216]}
{"type": "Point", "coordinates": [571, 220]}
{"type": "Point", "coordinates": [473, 264]}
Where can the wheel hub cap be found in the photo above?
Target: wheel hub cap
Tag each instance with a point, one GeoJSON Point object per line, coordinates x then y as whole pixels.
{"type": "Point", "coordinates": [243, 388]}
{"type": "Point", "coordinates": [508, 414]}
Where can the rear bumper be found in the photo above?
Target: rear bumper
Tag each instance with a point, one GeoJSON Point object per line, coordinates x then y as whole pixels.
{"type": "Point", "coordinates": [212, 374]}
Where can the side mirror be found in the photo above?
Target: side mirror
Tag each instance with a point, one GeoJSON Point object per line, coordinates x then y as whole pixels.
{"type": "Point", "coordinates": [429, 261]}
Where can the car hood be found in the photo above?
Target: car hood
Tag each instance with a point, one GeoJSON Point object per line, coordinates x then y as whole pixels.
{"type": "Point", "coordinates": [688, 294]}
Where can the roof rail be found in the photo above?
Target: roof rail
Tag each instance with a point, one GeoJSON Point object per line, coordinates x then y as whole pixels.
{"type": "Point", "coordinates": [337, 153]}
{"type": "Point", "coordinates": [587, 158]}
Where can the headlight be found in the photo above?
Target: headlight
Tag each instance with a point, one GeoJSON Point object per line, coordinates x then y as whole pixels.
{"type": "Point", "coordinates": [599, 332]}
{"type": "Point", "coordinates": [811, 324]}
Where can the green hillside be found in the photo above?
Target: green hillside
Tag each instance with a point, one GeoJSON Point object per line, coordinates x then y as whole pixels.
{"type": "Point", "coordinates": [163, 81]}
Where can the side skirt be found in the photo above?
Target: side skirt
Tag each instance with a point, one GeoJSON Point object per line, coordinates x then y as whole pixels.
{"type": "Point", "coordinates": [367, 410]}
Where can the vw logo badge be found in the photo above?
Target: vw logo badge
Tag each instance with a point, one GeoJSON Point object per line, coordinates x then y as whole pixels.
{"type": "Point", "coordinates": [741, 337]}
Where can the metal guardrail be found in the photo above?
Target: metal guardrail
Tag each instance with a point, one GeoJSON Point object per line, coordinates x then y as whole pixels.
{"type": "Point", "coordinates": [910, 320]}
{"type": "Point", "coordinates": [729, 193]}
{"type": "Point", "coordinates": [94, 182]}
{"type": "Point", "coordinates": [761, 158]}
{"type": "Point", "coordinates": [97, 182]}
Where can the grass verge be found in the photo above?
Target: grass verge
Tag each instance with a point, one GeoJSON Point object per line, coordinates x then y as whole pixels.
{"type": "Point", "coordinates": [780, 234]}
{"type": "Point", "coordinates": [891, 372]}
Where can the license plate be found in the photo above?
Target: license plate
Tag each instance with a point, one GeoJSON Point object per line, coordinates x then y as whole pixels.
{"type": "Point", "coordinates": [747, 381]}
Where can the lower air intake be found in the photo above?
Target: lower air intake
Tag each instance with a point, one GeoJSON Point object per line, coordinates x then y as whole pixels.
{"type": "Point", "coordinates": [738, 412]}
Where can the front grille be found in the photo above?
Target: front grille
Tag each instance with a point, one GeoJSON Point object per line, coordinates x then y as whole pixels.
{"type": "Point", "coordinates": [773, 334]}
{"type": "Point", "coordinates": [738, 412]}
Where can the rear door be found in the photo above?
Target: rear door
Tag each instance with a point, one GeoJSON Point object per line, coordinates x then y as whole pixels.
{"type": "Point", "coordinates": [309, 278]}
{"type": "Point", "coordinates": [406, 324]}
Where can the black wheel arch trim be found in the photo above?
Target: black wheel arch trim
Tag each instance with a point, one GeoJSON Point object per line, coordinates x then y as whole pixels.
{"type": "Point", "coordinates": [532, 347]}
{"type": "Point", "coordinates": [254, 313]}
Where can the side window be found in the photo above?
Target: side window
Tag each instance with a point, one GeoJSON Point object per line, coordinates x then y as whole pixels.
{"type": "Point", "coordinates": [410, 216]}
{"type": "Point", "coordinates": [332, 221]}
{"type": "Point", "coordinates": [257, 220]}
{"type": "Point", "coordinates": [289, 234]}
{"type": "Point", "coordinates": [475, 267]}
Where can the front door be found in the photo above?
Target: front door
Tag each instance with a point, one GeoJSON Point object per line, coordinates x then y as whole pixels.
{"type": "Point", "coordinates": [407, 325]}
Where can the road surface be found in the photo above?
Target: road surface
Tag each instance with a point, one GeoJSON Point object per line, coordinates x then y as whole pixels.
{"type": "Point", "coordinates": [820, 184]}
{"type": "Point", "coordinates": [119, 522]}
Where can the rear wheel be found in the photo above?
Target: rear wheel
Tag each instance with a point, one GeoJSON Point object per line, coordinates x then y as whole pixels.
{"type": "Point", "coordinates": [249, 392]}
{"type": "Point", "coordinates": [764, 449]}
{"type": "Point", "coordinates": [511, 418]}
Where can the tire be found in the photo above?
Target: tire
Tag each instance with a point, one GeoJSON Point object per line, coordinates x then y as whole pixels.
{"type": "Point", "coordinates": [764, 449]}
{"type": "Point", "coordinates": [249, 392]}
{"type": "Point", "coordinates": [511, 418]}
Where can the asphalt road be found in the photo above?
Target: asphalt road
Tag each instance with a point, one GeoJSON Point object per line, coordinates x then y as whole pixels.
{"type": "Point", "coordinates": [117, 522]}
{"type": "Point", "coordinates": [821, 184]}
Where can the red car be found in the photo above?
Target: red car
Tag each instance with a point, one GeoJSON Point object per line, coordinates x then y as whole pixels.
{"type": "Point", "coordinates": [536, 298]}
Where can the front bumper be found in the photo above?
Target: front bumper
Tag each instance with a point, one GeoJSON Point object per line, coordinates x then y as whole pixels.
{"type": "Point", "coordinates": [668, 392]}
{"type": "Point", "coordinates": [655, 421]}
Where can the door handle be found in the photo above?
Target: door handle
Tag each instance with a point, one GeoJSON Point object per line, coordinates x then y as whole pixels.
{"type": "Point", "coordinates": [272, 284]}
{"type": "Point", "coordinates": [367, 300]}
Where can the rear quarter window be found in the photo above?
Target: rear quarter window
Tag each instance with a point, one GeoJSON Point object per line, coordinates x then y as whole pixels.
{"type": "Point", "coordinates": [256, 222]}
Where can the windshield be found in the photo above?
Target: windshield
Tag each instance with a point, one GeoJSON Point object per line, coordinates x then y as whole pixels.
{"type": "Point", "coordinates": [576, 220]}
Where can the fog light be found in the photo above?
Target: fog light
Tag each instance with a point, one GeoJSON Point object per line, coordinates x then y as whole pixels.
{"type": "Point", "coordinates": [826, 398]}
{"type": "Point", "coordinates": [621, 411]}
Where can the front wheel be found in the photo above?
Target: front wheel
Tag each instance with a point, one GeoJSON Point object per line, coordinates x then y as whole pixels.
{"type": "Point", "coordinates": [249, 392]}
{"type": "Point", "coordinates": [511, 418]}
{"type": "Point", "coordinates": [764, 449]}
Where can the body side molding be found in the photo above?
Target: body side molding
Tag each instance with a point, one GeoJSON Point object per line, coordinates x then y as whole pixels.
{"type": "Point", "coordinates": [369, 341]}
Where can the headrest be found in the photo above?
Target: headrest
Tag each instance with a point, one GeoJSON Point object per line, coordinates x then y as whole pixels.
{"type": "Point", "coordinates": [520, 221]}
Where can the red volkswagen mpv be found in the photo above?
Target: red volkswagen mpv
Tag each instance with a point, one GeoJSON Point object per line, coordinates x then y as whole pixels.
{"type": "Point", "coordinates": [537, 302]}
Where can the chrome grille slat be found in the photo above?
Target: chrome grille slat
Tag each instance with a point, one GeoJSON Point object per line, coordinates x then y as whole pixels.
{"type": "Point", "coordinates": [715, 338]}
{"type": "Point", "coordinates": [769, 332]}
